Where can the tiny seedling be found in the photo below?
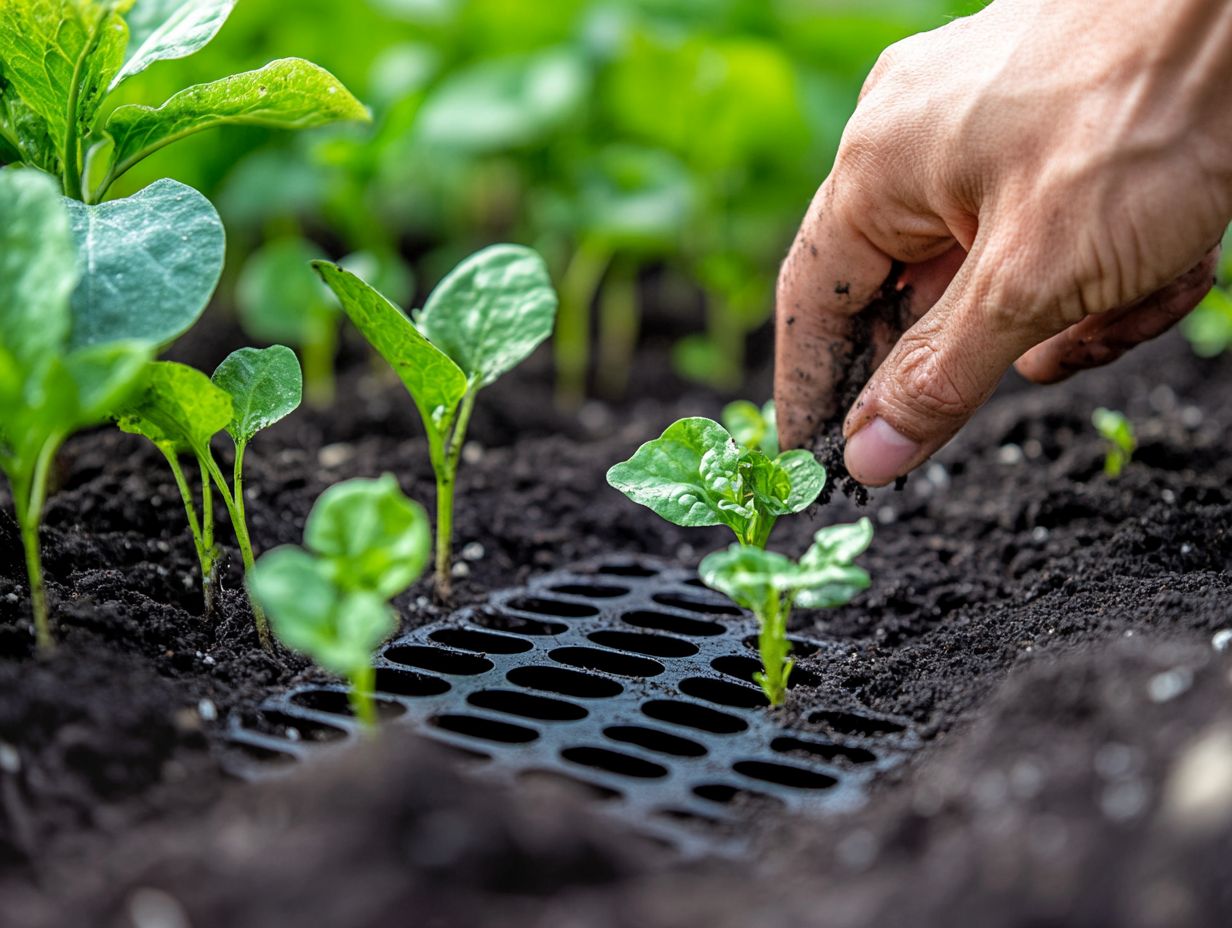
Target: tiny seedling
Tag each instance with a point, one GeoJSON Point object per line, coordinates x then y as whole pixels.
{"type": "Point", "coordinates": [365, 543]}
{"type": "Point", "coordinates": [752, 427]}
{"type": "Point", "coordinates": [1118, 433]}
{"type": "Point", "coordinates": [770, 584]}
{"type": "Point", "coordinates": [697, 474]}
{"type": "Point", "coordinates": [48, 389]}
{"type": "Point", "coordinates": [181, 410]}
{"type": "Point", "coordinates": [481, 321]}
{"type": "Point", "coordinates": [61, 61]}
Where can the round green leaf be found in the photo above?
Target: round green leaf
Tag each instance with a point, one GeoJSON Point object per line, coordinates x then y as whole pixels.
{"type": "Point", "coordinates": [491, 311]}
{"type": "Point", "coordinates": [807, 476]}
{"type": "Point", "coordinates": [265, 385]}
{"type": "Point", "coordinates": [375, 537]}
{"type": "Point", "coordinates": [280, 298]}
{"type": "Point", "coordinates": [149, 265]}
{"type": "Point", "coordinates": [179, 407]}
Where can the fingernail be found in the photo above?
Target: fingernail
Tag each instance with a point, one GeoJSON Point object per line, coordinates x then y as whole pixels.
{"type": "Point", "coordinates": [878, 454]}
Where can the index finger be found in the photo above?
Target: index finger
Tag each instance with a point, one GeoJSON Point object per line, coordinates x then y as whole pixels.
{"type": "Point", "coordinates": [831, 273]}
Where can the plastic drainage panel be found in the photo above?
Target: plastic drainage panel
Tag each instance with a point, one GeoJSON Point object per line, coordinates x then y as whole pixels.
{"type": "Point", "coordinates": [629, 680]}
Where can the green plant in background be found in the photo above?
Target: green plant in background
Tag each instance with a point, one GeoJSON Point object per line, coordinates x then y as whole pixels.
{"type": "Point", "coordinates": [60, 60]}
{"type": "Point", "coordinates": [1209, 327]}
{"type": "Point", "coordinates": [50, 384]}
{"type": "Point", "coordinates": [366, 543]}
{"type": "Point", "coordinates": [770, 585]}
{"type": "Point", "coordinates": [752, 426]}
{"type": "Point", "coordinates": [181, 410]}
{"type": "Point", "coordinates": [281, 299]}
{"type": "Point", "coordinates": [696, 474]}
{"type": "Point", "coordinates": [1118, 434]}
{"type": "Point", "coordinates": [482, 320]}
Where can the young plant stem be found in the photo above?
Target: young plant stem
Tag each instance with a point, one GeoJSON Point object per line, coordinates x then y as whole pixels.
{"type": "Point", "coordinates": [72, 133]}
{"type": "Point", "coordinates": [445, 465]}
{"type": "Point", "coordinates": [318, 359]}
{"type": "Point", "coordinates": [572, 343]}
{"type": "Point", "coordinates": [207, 540]}
{"type": "Point", "coordinates": [363, 685]}
{"type": "Point", "coordinates": [204, 554]}
{"type": "Point", "coordinates": [727, 333]}
{"type": "Point", "coordinates": [29, 496]}
{"type": "Point", "coordinates": [773, 648]}
{"type": "Point", "coordinates": [619, 326]}
{"type": "Point", "coordinates": [240, 527]}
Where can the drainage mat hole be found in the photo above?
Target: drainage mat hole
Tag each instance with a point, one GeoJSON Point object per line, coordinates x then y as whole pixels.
{"type": "Point", "coordinates": [486, 729]}
{"type": "Point", "coordinates": [689, 715]}
{"type": "Point", "coordinates": [627, 570]}
{"type": "Point", "coordinates": [849, 723]}
{"type": "Point", "coordinates": [591, 590]}
{"type": "Point", "coordinates": [827, 752]}
{"type": "Point", "coordinates": [664, 622]}
{"type": "Point", "coordinates": [439, 660]}
{"type": "Point", "coordinates": [335, 702]}
{"type": "Point", "coordinates": [621, 665]}
{"type": "Point", "coordinates": [726, 794]}
{"type": "Point", "coordinates": [800, 647]}
{"type": "Point", "coordinates": [528, 706]}
{"type": "Point", "coordinates": [552, 607]}
{"type": "Point", "coordinates": [401, 683]}
{"type": "Point", "coordinates": [467, 639]}
{"type": "Point", "coordinates": [641, 643]}
{"type": "Point", "coordinates": [724, 693]}
{"type": "Point", "coordinates": [625, 765]}
{"type": "Point", "coordinates": [783, 774]}
{"type": "Point", "coordinates": [564, 682]}
{"type": "Point", "coordinates": [695, 605]}
{"type": "Point", "coordinates": [653, 740]}
{"type": "Point", "coordinates": [576, 785]}
{"type": "Point", "coordinates": [516, 623]}
{"type": "Point", "coordinates": [282, 725]}
{"type": "Point", "coordinates": [743, 668]}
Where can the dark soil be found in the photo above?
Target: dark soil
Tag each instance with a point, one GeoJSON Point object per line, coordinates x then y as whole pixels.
{"type": "Point", "coordinates": [1048, 629]}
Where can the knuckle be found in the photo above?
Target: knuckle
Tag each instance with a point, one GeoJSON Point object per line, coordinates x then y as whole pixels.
{"type": "Point", "coordinates": [925, 381]}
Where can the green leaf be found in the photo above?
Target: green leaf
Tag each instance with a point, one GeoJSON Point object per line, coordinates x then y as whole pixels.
{"type": "Point", "coordinates": [839, 544]}
{"type": "Point", "coordinates": [687, 475]}
{"type": "Point", "coordinates": [827, 576]}
{"type": "Point", "coordinates": [491, 311]}
{"type": "Point", "coordinates": [38, 266]}
{"type": "Point", "coordinates": [751, 577]}
{"type": "Point", "coordinates": [436, 383]}
{"type": "Point", "coordinates": [375, 538]}
{"type": "Point", "coordinates": [149, 265]}
{"type": "Point", "coordinates": [308, 613]}
{"type": "Point", "coordinates": [54, 51]}
{"type": "Point", "coordinates": [162, 30]}
{"type": "Point", "coordinates": [288, 94]}
{"type": "Point", "coordinates": [752, 427]}
{"type": "Point", "coordinates": [265, 385]}
{"type": "Point", "coordinates": [178, 408]}
{"type": "Point", "coordinates": [280, 298]}
{"type": "Point", "coordinates": [807, 477]}
{"type": "Point", "coordinates": [104, 377]}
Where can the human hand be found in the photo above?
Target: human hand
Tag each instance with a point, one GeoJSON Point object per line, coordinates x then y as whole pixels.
{"type": "Point", "coordinates": [1050, 176]}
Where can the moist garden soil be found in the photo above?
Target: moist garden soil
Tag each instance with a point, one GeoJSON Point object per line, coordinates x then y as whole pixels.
{"type": "Point", "coordinates": [1048, 631]}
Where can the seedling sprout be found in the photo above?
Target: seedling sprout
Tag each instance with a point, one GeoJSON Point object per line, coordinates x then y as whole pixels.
{"type": "Point", "coordinates": [1118, 434]}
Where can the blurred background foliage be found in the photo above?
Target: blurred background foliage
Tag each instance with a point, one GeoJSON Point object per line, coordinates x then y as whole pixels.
{"type": "Point", "coordinates": [646, 147]}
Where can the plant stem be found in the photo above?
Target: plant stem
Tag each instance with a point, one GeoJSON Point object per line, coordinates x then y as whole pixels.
{"type": "Point", "coordinates": [619, 325]}
{"type": "Point", "coordinates": [572, 343]}
{"type": "Point", "coordinates": [190, 510]}
{"type": "Point", "coordinates": [445, 464]}
{"type": "Point", "coordinates": [773, 648]}
{"type": "Point", "coordinates": [29, 497]}
{"type": "Point", "coordinates": [240, 527]}
{"type": "Point", "coordinates": [727, 332]}
{"type": "Point", "coordinates": [363, 685]}
{"type": "Point", "coordinates": [207, 541]}
{"type": "Point", "coordinates": [318, 356]}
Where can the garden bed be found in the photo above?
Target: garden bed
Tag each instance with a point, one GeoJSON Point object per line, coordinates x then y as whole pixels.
{"type": "Point", "coordinates": [1044, 629]}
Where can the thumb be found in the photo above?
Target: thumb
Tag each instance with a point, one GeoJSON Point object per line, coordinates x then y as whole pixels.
{"type": "Point", "coordinates": [938, 374]}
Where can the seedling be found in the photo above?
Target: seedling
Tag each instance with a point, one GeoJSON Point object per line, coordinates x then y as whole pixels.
{"type": "Point", "coordinates": [696, 474]}
{"type": "Point", "coordinates": [770, 584]}
{"type": "Point", "coordinates": [61, 61]}
{"type": "Point", "coordinates": [1118, 433]}
{"type": "Point", "coordinates": [48, 390]}
{"type": "Point", "coordinates": [366, 543]}
{"type": "Point", "coordinates": [181, 410]}
{"type": "Point", "coordinates": [482, 320]}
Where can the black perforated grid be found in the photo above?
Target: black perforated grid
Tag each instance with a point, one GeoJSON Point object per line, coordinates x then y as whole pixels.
{"type": "Point", "coordinates": [628, 679]}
